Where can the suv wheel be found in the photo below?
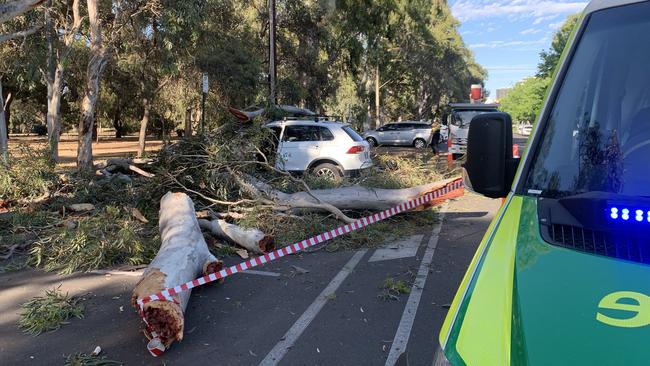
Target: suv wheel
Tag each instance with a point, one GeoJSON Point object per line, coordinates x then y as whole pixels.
{"type": "Point", "coordinates": [328, 170]}
{"type": "Point", "coordinates": [419, 144]}
{"type": "Point", "coordinates": [371, 141]}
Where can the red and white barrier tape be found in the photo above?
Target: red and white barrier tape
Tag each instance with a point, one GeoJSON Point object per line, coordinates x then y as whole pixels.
{"type": "Point", "coordinates": [156, 347]}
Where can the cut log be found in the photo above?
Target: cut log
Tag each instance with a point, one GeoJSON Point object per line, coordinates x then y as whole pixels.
{"type": "Point", "coordinates": [251, 239]}
{"type": "Point", "coordinates": [125, 166]}
{"type": "Point", "coordinates": [183, 255]}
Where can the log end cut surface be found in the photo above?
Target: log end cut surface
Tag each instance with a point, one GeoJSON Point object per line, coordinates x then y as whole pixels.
{"type": "Point", "coordinates": [267, 244]}
{"type": "Point", "coordinates": [164, 317]}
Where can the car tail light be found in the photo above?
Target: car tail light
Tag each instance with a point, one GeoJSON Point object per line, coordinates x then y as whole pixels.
{"type": "Point", "coordinates": [356, 149]}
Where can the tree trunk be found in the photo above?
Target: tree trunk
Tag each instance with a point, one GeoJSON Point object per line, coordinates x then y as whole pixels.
{"type": "Point", "coordinates": [251, 239]}
{"type": "Point", "coordinates": [183, 255]}
{"type": "Point", "coordinates": [54, 112]}
{"type": "Point", "coordinates": [117, 125]}
{"type": "Point", "coordinates": [143, 125]}
{"type": "Point", "coordinates": [345, 198]}
{"type": "Point", "coordinates": [96, 65]}
{"type": "Point", "coordinates": [188, 123]}
{"type": "Point", "coordinates": [10, 99]}
{"type": "Point", "coordinates": [4, 143]}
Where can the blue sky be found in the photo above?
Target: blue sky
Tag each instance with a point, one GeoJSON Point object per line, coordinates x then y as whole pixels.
{"type": "Point", "coordinates": [507, 36]}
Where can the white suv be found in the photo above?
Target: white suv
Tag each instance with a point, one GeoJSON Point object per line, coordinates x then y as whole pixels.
{"type": "Point", "coordinates": [324, 148]}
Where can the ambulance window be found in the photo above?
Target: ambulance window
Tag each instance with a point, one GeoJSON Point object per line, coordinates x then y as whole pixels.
{"type": "Point", "coordinates": [597, 136]}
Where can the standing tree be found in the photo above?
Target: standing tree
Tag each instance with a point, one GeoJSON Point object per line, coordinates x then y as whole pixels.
{"type": "Point", "coordinates": [58, 21]}
{"type": "Point", "coordinates": [9, 11]}
{"type": "Point", "coordinates": [550, 58]}
{"type": "Point", "coordinates": [98, 58]}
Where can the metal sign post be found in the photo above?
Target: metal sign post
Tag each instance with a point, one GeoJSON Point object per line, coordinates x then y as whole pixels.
{"type": "Point", "coordinates": [205, 94]}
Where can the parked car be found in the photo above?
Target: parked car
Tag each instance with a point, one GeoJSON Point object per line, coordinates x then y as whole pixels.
{"type": "Point", "coordinates": [561, 277]}
{"type": "Point", "coordinates": [524, 129]}
{"type": "Point", "coordinates": [408, 133]}
{"type": "Point", "coordinates": [323, 148]}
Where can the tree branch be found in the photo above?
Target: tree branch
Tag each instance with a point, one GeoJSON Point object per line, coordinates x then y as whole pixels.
{"type": "Point", "coordinates": [20, 34]}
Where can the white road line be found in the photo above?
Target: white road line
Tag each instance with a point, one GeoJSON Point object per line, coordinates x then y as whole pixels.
{"type": "Point", "coordinates": [290, 337]}
{"type": "Point", "coordinates": [261, 273]}
{"type": "Point", "coordinates": [408, 316]}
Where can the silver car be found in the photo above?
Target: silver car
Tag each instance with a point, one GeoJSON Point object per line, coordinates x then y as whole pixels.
{"type": "Point", "coordinates": [407, 133]}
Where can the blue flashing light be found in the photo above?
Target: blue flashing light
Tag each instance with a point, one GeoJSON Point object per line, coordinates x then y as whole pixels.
{"type": "Point", "coordinates": [639, 215]}
{"type": "Point", "coordinates": [625, 214]}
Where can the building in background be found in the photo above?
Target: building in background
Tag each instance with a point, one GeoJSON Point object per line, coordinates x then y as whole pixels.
{"type": "Point", "coordinates": [501, 93]}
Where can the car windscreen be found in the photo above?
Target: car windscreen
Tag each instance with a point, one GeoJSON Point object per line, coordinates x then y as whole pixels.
{"type": "Point", "coordinates": [462, 118]}
{"type": "Point", "coordinates": [597, 135]}
{"type": "Point", "coordinates": [352, 133]}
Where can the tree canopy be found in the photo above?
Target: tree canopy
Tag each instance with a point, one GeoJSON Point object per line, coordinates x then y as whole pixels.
{"type": "Point", "coordinates": [328, 54]}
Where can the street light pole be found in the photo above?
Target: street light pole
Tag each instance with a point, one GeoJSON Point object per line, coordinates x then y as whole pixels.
{"type": "Point", "coordinates": [272, 66]}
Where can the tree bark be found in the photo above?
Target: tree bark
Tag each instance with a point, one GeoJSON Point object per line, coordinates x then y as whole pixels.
{"type": "Point", "coordinates": [94, 71]}
{"type": "Point", "coordinates": [117, 125]}
{"type": "Point", "coordinates": [183, 255]}
{"type": "Point", "coordinates": [143, 125]}
{"type": "Point", "coordinates": [15, 8]}
{"type": "Point", "coordinates": [54, 75]}
{"type": "Point", "coordinates": [346, 198]}
{"type": "Point", "coordinates": [4, 143]}
{"type": "Point", "coordinates": [188, 123]}
{"type": "Point", "coordinates": [54, 112]}
{"type": "Point", "coordinates": [8, 100]}
{"type": "Point", "coordinates": [252, 239]}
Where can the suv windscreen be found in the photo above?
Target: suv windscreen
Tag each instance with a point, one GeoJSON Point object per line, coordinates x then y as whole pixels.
{"type": "Point", "coordinates": [462, 118]}
{"type": "Point", "coordinates": [597, 136]}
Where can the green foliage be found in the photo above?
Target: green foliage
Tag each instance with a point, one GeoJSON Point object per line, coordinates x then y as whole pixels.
{"type": "Point", "coordinates": [49, 312]}
{"type": "Point", "coordinates": [551, 58]}
{"type": "Point", "coordinates": [28, 175]}
{"type": "Point", "coordinates": [102, 239]}
{"type": "Point", "coordinates": [392, 288]}
{"type": "Point", "coordinates": [394, 172]}
{"type": "Point", "coordinates": [82, 359]}
{"type": "Point", "coordinates": [525, 100]}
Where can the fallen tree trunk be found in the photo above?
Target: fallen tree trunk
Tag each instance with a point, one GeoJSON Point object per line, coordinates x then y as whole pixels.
{"type": "Point", "coordinates": [183, 255]}
{"type": "Point", "coordinates": [344, 198]}
{"type": "Point", "coordinates": [125, 166]}
{"type": "Point", "coordinates": [252, 239]}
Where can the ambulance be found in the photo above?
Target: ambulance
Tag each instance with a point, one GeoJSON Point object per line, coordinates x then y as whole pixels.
{"type": "Point", "coordinates": [562, 276]}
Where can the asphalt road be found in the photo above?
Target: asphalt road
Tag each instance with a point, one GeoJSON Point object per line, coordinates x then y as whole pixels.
{"type": "Point", "coordinates": [309, 309]}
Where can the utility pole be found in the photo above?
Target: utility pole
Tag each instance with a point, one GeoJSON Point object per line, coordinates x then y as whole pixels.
{"type": "Point", "coordinates": [272, 66]}
{"type": "Point", "coordinates": [376, 96]}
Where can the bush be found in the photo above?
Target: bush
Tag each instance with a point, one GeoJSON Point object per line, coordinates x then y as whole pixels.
{"type": "Point", "coordinates": [30, 174]}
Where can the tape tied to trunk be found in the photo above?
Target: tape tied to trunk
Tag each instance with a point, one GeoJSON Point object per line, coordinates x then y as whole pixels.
{"type": "Point", "coordinates": [155, 345]}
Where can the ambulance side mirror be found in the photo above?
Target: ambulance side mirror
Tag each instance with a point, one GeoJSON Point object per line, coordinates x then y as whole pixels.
{"type": "Point", "coordinates": [490, 167]}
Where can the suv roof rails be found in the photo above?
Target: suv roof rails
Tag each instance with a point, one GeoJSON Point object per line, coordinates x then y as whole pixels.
{"type": "Point", "coordinates": [314, 119]}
